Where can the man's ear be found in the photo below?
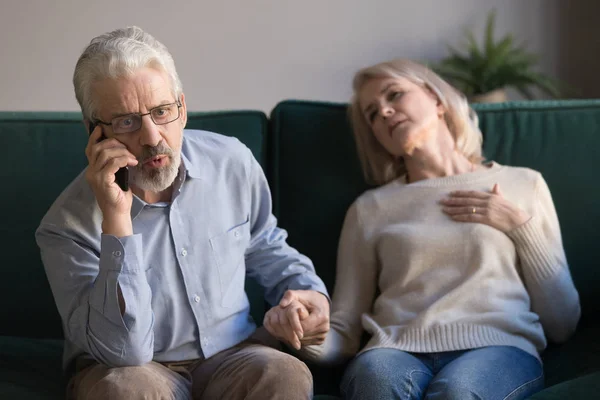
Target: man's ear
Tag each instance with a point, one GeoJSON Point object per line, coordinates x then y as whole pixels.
{"type": "Point", "coordinates": [89, 126]}
{"type": "Point", "coordinates": [183, 111]}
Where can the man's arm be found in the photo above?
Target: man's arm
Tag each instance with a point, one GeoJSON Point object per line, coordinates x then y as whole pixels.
{"type": "Point", "coordinates": [280, 268]}
{"type": "Point", "coordinates": [101, 291]}
{"type": "Point", "coordinates": [269, 259]}
{"type": "Point", "coordinates": [86, 288]}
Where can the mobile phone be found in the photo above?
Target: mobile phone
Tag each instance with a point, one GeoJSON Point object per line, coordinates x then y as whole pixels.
{"type": "Point", "coordinates": [122, 175]}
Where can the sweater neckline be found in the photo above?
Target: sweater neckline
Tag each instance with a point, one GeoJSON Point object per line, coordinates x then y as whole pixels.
{"type": "Point", "coordinates": [491, 168]}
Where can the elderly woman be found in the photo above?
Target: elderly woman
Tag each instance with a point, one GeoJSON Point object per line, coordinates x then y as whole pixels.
{"type": "Point", "coordinates": [454, 267]}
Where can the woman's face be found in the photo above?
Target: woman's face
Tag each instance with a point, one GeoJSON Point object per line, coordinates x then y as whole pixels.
{"type": "Point", "coordinates": [401, 114]}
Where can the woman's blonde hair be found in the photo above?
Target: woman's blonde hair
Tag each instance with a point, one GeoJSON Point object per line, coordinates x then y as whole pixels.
{"type": "Point", "coordinates": [379, 166]}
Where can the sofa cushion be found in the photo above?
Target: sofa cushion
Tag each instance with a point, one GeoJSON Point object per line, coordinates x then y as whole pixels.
{"type": "Point", "coordinates": [575, 358]}
{"type": "Point", "coordinates": [43, 153]}
{"type": "Point", "coordinates": [586, 387]}
{"type": "Point", "coordinates": [31, 369]}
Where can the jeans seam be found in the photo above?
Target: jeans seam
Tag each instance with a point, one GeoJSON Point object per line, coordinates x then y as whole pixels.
{"type": "Point", "coordinates": [524, 385]}
{"type": "Point", "coordinates": [411, 379]}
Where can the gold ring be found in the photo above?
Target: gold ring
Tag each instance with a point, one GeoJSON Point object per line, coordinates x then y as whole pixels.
{"type": "Point", "coordinates": [474, 210]}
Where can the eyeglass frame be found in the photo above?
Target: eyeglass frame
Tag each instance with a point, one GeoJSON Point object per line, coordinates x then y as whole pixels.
{"type": "Point", "coordinates": [178, 103]}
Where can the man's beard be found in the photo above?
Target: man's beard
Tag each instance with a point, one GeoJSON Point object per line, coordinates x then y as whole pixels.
{"type": "Point", "coordinates": [156, 179]}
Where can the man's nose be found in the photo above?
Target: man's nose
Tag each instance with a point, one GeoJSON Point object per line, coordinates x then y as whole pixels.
{"type": "Point", "coordinates": [149, 132]}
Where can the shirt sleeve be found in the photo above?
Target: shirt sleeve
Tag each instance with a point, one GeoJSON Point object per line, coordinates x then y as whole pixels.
{"type": "Point", "coordinates": [85, 286]}
{"type": "Point", "coordinates": [353, 295]}
{"type": "Point", "coordinates": [269, 259]}
{"type": "Point", "coordinates": [545, 270]}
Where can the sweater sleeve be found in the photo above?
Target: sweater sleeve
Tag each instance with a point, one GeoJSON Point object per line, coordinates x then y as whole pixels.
{"type": "Point", "coordinates": [545, 270]}
{"type": "Point", "coordinates": [353, 295]}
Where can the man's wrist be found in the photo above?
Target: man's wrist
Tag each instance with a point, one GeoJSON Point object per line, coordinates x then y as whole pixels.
{"type": "Point", "coordinates": [119, 226]}
{"type": "Point", "coordinates": [327, 299]}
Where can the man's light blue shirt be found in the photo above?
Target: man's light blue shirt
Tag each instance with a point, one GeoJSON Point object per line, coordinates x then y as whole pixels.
{"type": "Point", "coordinates": [183, 270]}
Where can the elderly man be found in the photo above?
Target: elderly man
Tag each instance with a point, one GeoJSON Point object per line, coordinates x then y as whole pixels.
{"type": "Point", "coordinates": [148, 269]}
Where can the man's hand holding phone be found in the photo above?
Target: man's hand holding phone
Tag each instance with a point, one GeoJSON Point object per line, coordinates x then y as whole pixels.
{"type": "Point", "coordinates": [105, 158]}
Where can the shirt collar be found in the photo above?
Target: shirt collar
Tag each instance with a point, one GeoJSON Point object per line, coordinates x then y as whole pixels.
{"type": "Point", "coordinates": [191, 170]}
{"type": "Point", "coordinates": [136, 207]}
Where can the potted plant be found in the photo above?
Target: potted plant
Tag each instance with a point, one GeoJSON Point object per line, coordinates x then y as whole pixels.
{"type": "Point", "coordinates": [485, 72]}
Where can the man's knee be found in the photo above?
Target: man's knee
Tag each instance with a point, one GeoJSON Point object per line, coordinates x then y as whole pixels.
{"type": "Point", "coordinates": [288, 368]}
{"type": "Point", "coordinates": [285, 374]}
{"type": "Point", "coordinates": [150, 381]}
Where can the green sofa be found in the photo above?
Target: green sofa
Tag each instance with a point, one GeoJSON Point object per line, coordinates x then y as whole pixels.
{"type": "Point", "coordinates": [308, 154]}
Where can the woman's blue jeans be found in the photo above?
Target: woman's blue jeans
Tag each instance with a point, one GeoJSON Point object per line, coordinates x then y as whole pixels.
{"type": "Point", "coordinates": [489, 373]}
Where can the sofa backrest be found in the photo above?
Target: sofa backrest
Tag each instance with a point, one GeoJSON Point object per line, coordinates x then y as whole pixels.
{"type": "Point", "coordinates": [308, 153]}
{"type": "Point", "coordinates": [561, 140]}
{"type": "Point", "coordinates": [316, 173]}
{"type": "Point", "coordinates": [315, 176]}
{"type": "Point", "coordinates": [43, 152]}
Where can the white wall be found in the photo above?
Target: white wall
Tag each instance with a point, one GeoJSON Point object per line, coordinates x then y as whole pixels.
{"type": "Point", "coordinates": [250, 54]}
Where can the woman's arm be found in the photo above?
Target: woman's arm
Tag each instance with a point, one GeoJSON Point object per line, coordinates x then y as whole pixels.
{"type": "Point", "coordinates": [353, 295]}
{"type": "Point", "coordinates": [546, 272]}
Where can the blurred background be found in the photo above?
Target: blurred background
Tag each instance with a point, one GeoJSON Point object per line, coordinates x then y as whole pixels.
{"type": "Point", "coordinates": [251, 54]}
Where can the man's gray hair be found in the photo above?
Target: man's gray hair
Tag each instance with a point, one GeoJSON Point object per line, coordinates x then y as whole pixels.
{"type": "Point", "coordinates": [120, 53]}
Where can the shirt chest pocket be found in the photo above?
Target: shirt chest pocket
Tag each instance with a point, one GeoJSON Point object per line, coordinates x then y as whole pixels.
{"type": "Point", "coordinates": [228, 250]}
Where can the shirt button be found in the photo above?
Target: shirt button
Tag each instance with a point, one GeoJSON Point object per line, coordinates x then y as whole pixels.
{"type": "Point", "coordinates": [184, 252]}
{"type": "Point", "coordinates": [197, 299]}
{"type": "Point", "coordinates": [236, 233]}
{"type": "Point", "coordinates": [117, 253]}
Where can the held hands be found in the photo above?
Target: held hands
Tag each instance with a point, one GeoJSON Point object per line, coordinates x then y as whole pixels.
{"type": "Point", "coordinates": [491, 208]}
{"type": "Point", "coordinates": [300, 319]}
{"type": "Point", "coordinates": [105, 158]}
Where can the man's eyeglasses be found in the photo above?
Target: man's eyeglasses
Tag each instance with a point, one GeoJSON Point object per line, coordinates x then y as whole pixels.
{"type": "Point", "coordinates": [160, 115]}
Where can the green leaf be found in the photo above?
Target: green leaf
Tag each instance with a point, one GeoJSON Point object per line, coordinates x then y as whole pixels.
{"type": "Point", "coordinates": [546, 84]}
{"type": "Point", "coordinates": [498, 54]}
{"type": "Point", "coordinates": [489, 33]}
{"type": "Point", "coordinates": [473, 48]}
{"type": "Point", "coordinates": [502, 63]}
{"type": "Point", "coordinates": [454, 74]}
{"type": "Point", "coordinates": [521, 58]}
